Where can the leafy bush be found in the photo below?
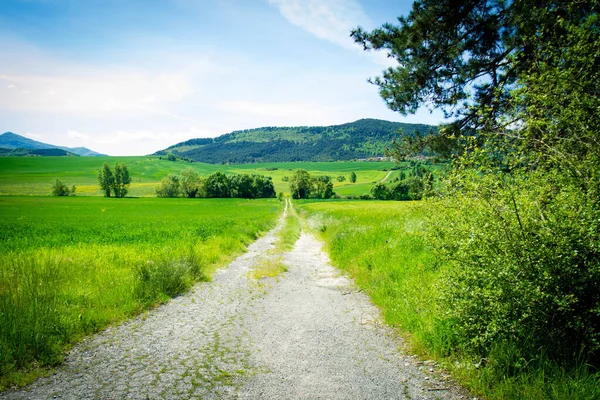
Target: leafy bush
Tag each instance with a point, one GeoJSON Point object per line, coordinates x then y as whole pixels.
{"type": "Point", "coordinates": [522, 271]}
{"type": "Point", "coordinates": [169, 186]}
{"type": "Point", "coordinates": [60, 189]}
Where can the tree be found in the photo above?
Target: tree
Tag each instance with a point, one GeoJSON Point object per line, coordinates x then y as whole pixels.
{"type": "Point", "coordinates": [114, 182]}
{"type": "Point", "coordinates": [121, 180]}
{"type": "Point", "coordinates": [353, 177]}
{"type": "Point", "coordinates": [300, 184]}
{"type": "Point", "coordinates": [264, 186]}
{"type": "Point", "coordinates": [190, 181]}
{"type": "Point", "coordinates": [467, 58]}
{"type": "Point", "coordinates": [218, 185]}
{"type": "Point", "coordinates": [106, 179]}
{"type": "Point", "coordinates": [169, 186]}
{"type": "Point", "coordinates": [60, 189]}
{"type": "Point", "coordinates": [380, 191]}
{"type": "Point", "coordinates": [243, 186]}
{"type": "Point", "coordinates": [518, 219]}
{"type": "Point", "coordinates": [322, 187]}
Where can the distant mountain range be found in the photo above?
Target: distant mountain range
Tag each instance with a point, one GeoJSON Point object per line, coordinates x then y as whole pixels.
{"type": "Point", "coordinates": [17, 145]}
{"type": "Point", "coordinates": [364, 138]}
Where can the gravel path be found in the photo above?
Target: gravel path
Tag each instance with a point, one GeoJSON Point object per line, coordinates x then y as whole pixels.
{"type": "Point", "coordinates": [305, 334]}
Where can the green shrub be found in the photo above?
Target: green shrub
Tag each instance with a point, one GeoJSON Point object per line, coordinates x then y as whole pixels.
{"type": "Point", "coordinates": [60, 189]}
{"type": "Point", "coordinates": [523, 272]}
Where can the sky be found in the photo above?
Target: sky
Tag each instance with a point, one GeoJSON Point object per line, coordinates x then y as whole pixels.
{"type": "Point", "coordinates": [130, 77]}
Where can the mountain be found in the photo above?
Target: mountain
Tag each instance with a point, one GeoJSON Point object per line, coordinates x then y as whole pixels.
{"type": "Point", "coordinates": [10, 141]}
{"type": "Point", "coordinates": [360, 139]}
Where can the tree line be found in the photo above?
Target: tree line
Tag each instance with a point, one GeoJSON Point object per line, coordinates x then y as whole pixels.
{"type": "Point", "coordinates": [217, 185]}
{"type": "Point", "coordinates": [413, 184]}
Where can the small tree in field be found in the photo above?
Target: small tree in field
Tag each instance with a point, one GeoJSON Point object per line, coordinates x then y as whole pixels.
{"type": "Point", "coordinates": [114, 182]}
{"type": "Point", "coordinates": [190, 182]}
{"type": "Point", "coordinates": [60, 189]}
{"type": "Point", "coordinates": [169, 186]}
{"type": "Point", "coordinates": [300, 184]}
{"type": "Point", "coordinates": [106, 179]}
{"type": "Point", "coordinates": [122, 180]}
{"type": "Point", "coordinates": [353, 177]}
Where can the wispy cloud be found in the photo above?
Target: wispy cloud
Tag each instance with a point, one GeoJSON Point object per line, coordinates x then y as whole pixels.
{"type": "Point", "coordinates": [34, 81]}
{"type": "Point", "coordinates": [331, 20]}
{"type": "Point", "coordinates": [91, 91]}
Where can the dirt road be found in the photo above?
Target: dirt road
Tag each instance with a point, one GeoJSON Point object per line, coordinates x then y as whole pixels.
{"type": "Point", "coordinates": [307, 334]}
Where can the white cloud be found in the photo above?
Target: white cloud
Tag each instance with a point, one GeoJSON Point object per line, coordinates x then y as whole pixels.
{"type": "Point", "coordinates": [34, 136]}
{"type": "Point", "coordinates": [76, 134]}
{"type": "Point", "coordinates": [34, 81]}
{"type": "Point", "coordinates": [93, 91]}
{"type": "Point", "coordinates": [139, 142]}
{"type": "Point", "coordinates": [331, 20]}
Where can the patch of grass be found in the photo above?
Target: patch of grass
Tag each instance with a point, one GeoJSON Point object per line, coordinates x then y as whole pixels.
{"type": "Point", "coordinates": [71, 266]}
{"type": "Point", "coordinates": [289, 233]}
{"type": "Point", "coordinates": [270, 268]}
{"type": "Point", "coordinates": [381, 246]}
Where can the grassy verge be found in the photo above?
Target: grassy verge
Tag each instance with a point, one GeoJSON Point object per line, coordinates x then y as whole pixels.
{"type": "Point", "coordinates": [286, 238]}
{"type": "Point", "coordinates": [269, 268]}
{"type": "Point", "coordinates": [290, 232]}
{"type": "Point", "coordinates": [71, 266]}
{"type": "Point", "coordinates": [380, 245]}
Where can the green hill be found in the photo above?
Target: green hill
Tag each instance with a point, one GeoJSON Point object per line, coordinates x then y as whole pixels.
{"type": "Point", "coordinates": [364, 138]}
{"type": "Point", "coordinates": [22, 145]}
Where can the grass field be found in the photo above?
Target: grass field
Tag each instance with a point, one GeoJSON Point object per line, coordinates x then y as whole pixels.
{"type": "Point", "coordinates": [71, 266]}
{"type": "Point", "coordinates": [34, 176]}
{"type": "Point", "coordinates": [380, 245]}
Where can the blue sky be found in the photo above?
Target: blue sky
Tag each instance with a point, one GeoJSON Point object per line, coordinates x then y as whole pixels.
{"type": "Point", "coordinates": [129, 77]}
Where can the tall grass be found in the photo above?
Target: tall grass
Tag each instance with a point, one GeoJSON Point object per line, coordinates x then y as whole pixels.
{"type": "Point", "coordinates": [69, 267]}
{"type": "Point", "coordinates": [381, 246]}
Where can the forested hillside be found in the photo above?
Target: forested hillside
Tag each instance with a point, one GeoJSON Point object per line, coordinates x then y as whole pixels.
{"type": "Point", "coordinates": [361, 139]}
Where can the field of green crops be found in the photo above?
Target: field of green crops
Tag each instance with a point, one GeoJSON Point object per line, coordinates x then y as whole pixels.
{"type": "Point", "coordinates": [69, 266]}
{"type": "Point", "coordinates": [34, 176]}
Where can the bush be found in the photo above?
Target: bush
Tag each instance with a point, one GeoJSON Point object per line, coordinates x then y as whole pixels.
{"type": "Point", "coordinates": [523, 273]}
{"type": "Point", "coordinates": [60, 189]}
{"type": "Point", "coordinates": [380, 192]}
{"type": "Point", "coordinates": [353, 177]}
{"type": "Point", "coordinates": [168, 186]}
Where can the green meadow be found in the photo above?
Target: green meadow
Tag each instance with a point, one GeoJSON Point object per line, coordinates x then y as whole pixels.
{"type": "Point", "coordinates": [70, 266]}
{"type": "Point", "coordinates": [34, 176]}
